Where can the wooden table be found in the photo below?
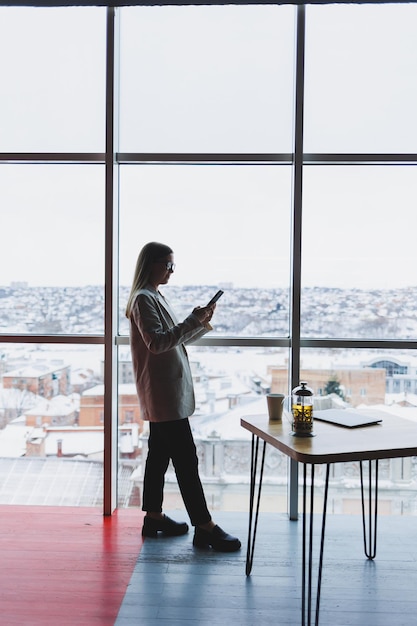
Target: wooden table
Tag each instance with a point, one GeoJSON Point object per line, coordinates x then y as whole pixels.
{"type": "Point", "coordinates": [393, 438]}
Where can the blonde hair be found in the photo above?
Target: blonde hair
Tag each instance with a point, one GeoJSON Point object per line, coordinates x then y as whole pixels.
{"type": "Point", "coordinates": [151, 252]}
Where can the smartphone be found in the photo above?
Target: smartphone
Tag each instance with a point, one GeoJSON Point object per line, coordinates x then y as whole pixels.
{"type": "Point", "coordinates": [215, 297]}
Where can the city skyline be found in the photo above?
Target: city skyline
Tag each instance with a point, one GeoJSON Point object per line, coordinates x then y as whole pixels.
{"type": "Point", "coordinates": [264, 312]}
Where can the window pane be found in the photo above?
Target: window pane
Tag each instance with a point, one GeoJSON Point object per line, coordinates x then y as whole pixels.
{"type": "Point", "coordinates": [360, 91]}
{"type": "Point", "coordinates": [385, 382]}
{"type": "Point", "coordinates": [207, 79]}
{"type": "Point", "coordinates": [52, 248]}
{"type": "Point", "coordinates": [359, 254]}
{"type": "Point", "coordinates": [229, 227]}
{"type": "Point", "coordinates": [52, 87]}
{"type": "Point", "coordinates": [229, 383]}
{"type": "Point", "coordinates": [51, 437]}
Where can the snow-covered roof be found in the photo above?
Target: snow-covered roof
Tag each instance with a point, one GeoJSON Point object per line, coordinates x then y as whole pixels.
{"type": "Point", "coordinates": [33, 371]}
{"type": "Point", "coordinates": [123, 388]}
{"type": "Point", "coordinates": [58, 405]}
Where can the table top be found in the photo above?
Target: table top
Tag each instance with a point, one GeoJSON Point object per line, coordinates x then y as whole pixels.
{"type": "Point", "coordinates": [394, 437]}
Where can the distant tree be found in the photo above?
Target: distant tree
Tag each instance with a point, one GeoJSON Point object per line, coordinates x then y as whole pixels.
{"type": "Point", "coordinates": [14, 402]}
{"type": "Point", "coordinates": [333, 386]}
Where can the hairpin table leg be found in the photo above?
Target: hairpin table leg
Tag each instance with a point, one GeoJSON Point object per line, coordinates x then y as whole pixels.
{"type": "Point", "coordinates": [253, 518]}
{"type": "Point", "coordinates": [307, 561]}
{"type": "Point", "coordinates": [369, 538]}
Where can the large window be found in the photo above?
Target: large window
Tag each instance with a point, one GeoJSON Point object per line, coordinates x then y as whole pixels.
{"type": "Point", "coordinates": [206, 79]}
{"type": "Point", "coordinates": [229, 225]}
{"type": "Point", "coordinates": [274, 148]}
{"type": "Point", "coordinates": [358, 253]}
{"type": "Point", "coordinates": [52, 246]}
{"type": "Point", "coordinates": [52, 88]}
{"type": "Point", "coordinates": [359, 94]}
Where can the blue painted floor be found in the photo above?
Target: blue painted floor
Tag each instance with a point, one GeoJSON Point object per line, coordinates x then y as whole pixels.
{"type": "Point", "coordinates": [175, 585]}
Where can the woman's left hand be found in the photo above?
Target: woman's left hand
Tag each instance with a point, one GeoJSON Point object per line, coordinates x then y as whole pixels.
{"type": "Point", "coordinates": [204, 313]}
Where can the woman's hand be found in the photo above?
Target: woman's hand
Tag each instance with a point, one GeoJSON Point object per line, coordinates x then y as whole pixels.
{"type": "Point", "coordinates": [204, 313]}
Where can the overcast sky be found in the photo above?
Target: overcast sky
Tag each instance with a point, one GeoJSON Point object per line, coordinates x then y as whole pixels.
{"type": "Point", "coordinates": [211, 79]}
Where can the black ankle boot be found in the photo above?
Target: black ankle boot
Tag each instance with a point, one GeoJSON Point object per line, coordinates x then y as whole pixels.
{"type": "Point", "coordinates": [217, 539]}
{"type": "Point", "coordinates": [166, 526]}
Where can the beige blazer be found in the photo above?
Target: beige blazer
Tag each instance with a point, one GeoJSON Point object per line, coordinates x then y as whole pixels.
{"type": "Point", "coordinates": [160, 362]}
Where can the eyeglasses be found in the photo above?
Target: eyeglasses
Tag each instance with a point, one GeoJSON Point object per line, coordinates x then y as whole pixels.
{"type": "Point", "coordinates": [169, 265]}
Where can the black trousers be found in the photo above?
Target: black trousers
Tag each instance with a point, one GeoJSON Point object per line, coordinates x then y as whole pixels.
{"type": "Point", "coordinates": [174, 440]}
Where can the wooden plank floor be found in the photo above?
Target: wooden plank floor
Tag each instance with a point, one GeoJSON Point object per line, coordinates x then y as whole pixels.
{"type": "Point", "coordinates": [174, 585]}
{"type": "Point", "coordinates": [62, 566]}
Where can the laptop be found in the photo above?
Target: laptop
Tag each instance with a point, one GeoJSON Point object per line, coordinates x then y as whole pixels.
{"type": "Point", "coordinates": [346, 418]}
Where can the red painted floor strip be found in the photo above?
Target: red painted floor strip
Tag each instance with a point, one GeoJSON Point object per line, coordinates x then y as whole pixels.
{"type": "Point", "coordinates": [64, 565]}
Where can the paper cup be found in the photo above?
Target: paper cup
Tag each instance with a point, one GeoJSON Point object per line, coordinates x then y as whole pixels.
{"type": "Point", "coordinates": [275, 403]}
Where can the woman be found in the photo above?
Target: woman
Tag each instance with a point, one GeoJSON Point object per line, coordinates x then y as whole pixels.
{"type": "Point", "coordinates": [166, 394]}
